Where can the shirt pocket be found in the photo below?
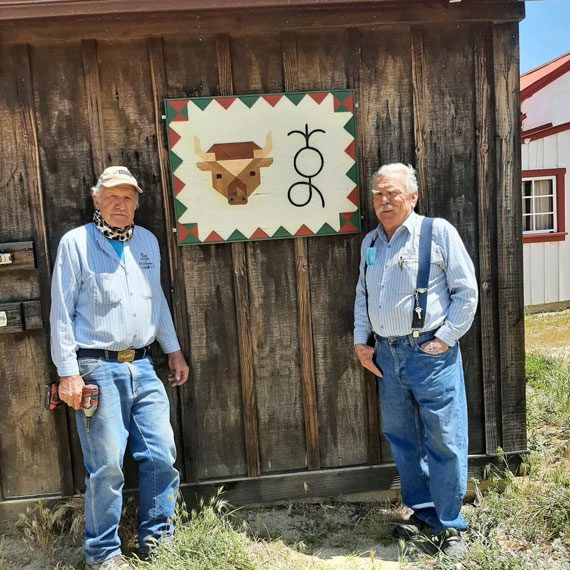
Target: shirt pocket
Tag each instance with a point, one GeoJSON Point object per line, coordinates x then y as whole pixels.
{"type": "Point", "coordinates": [105, 288]}
{"type": "Point", "coordinates": [410, 265]}
{"type": "Point", "coordinates": [146, 279]}
{"type": "Point", "coordinates": [437, 257]}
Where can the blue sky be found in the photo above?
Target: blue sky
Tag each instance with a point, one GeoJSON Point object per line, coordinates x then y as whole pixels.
{"type": "Point", "coordinates": [544, 33]}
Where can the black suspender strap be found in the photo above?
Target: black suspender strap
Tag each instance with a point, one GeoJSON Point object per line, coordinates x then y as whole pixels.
{"type": "Point", "coordinates": [420, 294]}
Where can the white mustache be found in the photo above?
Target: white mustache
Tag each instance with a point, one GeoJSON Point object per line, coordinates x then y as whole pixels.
{"type": "Point", "coordinates": [386, 208]}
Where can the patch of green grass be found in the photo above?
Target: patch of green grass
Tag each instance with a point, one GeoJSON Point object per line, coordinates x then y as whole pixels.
{"type": "Point", "coordinates": [548, 394]}
{"type": "Point", "coordinates": [204, 539]}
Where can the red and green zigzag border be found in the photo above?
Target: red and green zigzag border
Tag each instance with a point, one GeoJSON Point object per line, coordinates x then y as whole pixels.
{"type": "Point", "coordinates": [177, 110]}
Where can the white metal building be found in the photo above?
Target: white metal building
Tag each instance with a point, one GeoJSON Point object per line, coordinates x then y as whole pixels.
{"type": "Point", "coordinates": [545, 108]}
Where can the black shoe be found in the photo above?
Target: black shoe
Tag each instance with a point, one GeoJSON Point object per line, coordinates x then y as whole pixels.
{"type": "Point", "coordinates": [410, 529]}
{"type": "Point", "coordinates": [452, 545]}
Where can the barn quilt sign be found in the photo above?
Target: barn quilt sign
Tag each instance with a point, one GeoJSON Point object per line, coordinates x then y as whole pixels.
{"type": "Point", "coordinates": [268, 166]}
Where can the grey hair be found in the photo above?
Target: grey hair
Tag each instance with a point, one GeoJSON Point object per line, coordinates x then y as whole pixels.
{"type": "Point", "coordinates": [408, 171]}
{"type": "Point", "coordinates": [96, 191]}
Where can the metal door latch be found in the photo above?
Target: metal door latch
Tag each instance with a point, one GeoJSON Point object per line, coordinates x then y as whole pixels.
{"type": "Point", "coordinates": [3, 319]}
{"type": "Point", "coordinates": [5, 258]}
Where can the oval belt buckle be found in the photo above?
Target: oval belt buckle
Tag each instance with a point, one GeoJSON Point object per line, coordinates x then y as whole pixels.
{"type": "Point", "coordinates": [126, 355]}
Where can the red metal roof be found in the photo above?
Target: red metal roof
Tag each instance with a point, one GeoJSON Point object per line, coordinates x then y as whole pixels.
{"type": "Point", "coordinates": [537, 78]}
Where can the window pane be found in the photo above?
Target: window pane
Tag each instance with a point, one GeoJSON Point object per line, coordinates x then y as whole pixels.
{"type": "Point", "coordinates": [539, 205]}
{"type": "Point", "coordinates": [544, 222]}
{"type": "Point", "coordinates": [527, 187]}
{"type": "Point", "coordinates": [544, 205]}
{"type": "Point", "coordinates": [542, 187]}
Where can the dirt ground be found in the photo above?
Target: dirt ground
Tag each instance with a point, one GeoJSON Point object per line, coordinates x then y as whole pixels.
{"type": "Point", "coordinates": [339, 535]}
{"type": "Point", "coordinates": [335, 535]}
{"type": "Point", "coordinates": [18, 554]}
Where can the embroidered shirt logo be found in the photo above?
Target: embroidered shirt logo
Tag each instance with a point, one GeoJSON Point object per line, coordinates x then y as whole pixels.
{"type": "Point", "coordinates": [145, 261]}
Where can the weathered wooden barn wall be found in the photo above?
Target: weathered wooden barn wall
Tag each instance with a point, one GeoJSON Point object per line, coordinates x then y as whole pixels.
{"type": "Point", "coordinates": [275, 388]}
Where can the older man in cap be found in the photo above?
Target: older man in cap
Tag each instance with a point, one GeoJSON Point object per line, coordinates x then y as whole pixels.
{"type": "Point", "coordinates": [107, 309]}
{"type": "Point", "coordinates": [417, 294]}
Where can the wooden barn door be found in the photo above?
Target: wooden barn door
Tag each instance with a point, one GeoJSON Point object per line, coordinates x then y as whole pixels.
{"type": "Point", "coordinates": [33, 442]}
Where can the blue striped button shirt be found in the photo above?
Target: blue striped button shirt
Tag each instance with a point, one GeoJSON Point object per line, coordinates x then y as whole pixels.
{"type": "Point", "coordinates": [101, 301]}
{"type": "Point", "coordinates": [391, 277]}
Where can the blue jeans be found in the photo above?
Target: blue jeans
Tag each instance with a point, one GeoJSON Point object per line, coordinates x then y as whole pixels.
{"type": "Point", "coordinates": [133, 407]}
{"type": "Point", "coordinates": [424, 417]}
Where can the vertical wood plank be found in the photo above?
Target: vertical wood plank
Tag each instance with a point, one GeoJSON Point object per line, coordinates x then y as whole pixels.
{"type": "Point", "coordinates": [246, 360]}
{"type": "Point", "coordinates": [224, 55]}
{"type": "Point", "coordinates": [24, 360]}
{"type": "Point", "coordinates": [242, 299]}
{"type": "Point", "coordinates": [93, 92]}
{"type": "Point", "coordinates": [509, 234]}
{"type": "Point", "coordinates": [420, 115]}
{"type": "Point", "coordinates": [34, 184]}
{"type": "Point", "coordinates": [15, 219]}
{"type": "Point", "coordinates": [176, 272]}
{"type": "Point", "coordinates": [307, 354]}
{"type": "Point", "coordinates": [370, 381]}
{"type": "Point", "coordinates": [290, 70]}
{"type": "Point", "coordinates": [487, 228]}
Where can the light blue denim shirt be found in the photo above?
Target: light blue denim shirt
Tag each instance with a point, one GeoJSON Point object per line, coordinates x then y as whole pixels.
{"type": "Point", "coordinates": [101, 301]}
{"type": "Point", "coordinates": [391, 278]}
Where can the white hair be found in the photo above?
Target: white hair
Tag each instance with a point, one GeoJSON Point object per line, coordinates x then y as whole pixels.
{"type": "Point", "coordinates": [408, 171]}
{"type": "Point", "coordinates": [96, 191]}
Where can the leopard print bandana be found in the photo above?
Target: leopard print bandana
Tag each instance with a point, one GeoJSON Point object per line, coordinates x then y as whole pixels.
{"type": "Point", "coordinates": [120, 234]}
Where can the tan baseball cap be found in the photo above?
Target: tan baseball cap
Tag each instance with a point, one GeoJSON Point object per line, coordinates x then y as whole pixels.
{"type": "Point", "coordinates": [115, 175]}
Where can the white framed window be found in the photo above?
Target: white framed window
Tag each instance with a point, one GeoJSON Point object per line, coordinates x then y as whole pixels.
{"type": "Point", "coordinates": [543, 205]}
{"type": "Point", "coordinates": [539, 205]}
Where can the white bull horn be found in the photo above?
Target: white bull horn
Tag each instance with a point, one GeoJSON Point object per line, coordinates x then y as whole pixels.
{"type": "Point", "coordinates": [206, 156]}
{"type": "Point", "coordinates": [263, 152]}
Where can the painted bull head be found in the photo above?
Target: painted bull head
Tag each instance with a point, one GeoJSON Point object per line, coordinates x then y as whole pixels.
{"type": "Point", "coordinates": [234, 167]}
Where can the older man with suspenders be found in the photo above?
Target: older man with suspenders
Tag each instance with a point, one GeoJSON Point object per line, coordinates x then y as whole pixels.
{"type": "Point", "coordinates": [416, 296]}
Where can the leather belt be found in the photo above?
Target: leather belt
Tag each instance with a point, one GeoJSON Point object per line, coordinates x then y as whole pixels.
{"type": "Point", "coordinates": [119, 355]}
